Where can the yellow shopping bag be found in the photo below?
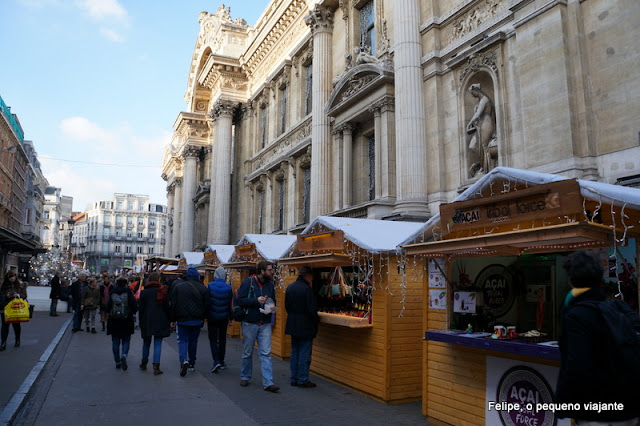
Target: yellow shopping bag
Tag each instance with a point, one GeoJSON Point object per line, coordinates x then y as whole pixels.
{"type": "Point", "coordinates": [17, 310]}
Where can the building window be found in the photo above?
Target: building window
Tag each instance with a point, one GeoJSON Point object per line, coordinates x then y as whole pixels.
{"type": "Point", "coordinates": [306, 196]}
{"type": "Point", "coordinates": [263, 126]}
{"type": "Point", "coordinates": [283, 108]}
{"type": "Point", "coordinates": [372, 167]}
{"type": "Point", "coordinates": [129, 220]}
{"type": "Point", "coordinates": [152, 222]}
{"type": "Point", "coordinates": [118, 233]}
{"type": "Point", "coordinates": [129, 206]}
{"type": "Point", "coordinates": [120, 204]}
{"type": "Point", "coordinates": [308, 94]}
{"type": "Point", "coordinates": [141, 207]}
{"type": "Point", "coordinates": [105, 231]}
{"type": "Point", "coordinates": [107, 219]}
{"type": "Point", "coordinates": [151, 250]}
{"type": "Point", "coordinates": [128, 249]}
{"type": "Point", "coordinates": [367, 29]}
{"type": "Point", "coordinates": [105, 247]}
{"type": "Point", "coordinates": [260, 210]}
{"type": "Point", "coordinates": [46, 214]}
{"type": "Point", "coordinates": [140, 221]}
{"type": "Point", "coordinates": [129, 234]}
{"type": "Point", "coordinates": [140, 249]}
{"type": "Point", "coordinates": [139, 234]}
{"type": "Point", "coordinates": [117, 249]}
{"type": "Point", "coordinates": [118, 220]}
{"type": "Point", "coordinates": [152, 235]}
{"type": "Point", "coordinates": [280, 205]}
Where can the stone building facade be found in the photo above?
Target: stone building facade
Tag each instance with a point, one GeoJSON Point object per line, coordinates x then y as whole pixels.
{"type": "Point", "coordinates": [386, 109]}
{"type": "Point", "coordinates": [114, 233]}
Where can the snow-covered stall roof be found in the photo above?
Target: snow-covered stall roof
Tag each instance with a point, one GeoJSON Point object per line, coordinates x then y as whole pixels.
{"type": "Point", "coordinates": [590, 190]}
{"type": "Point", "coordinates": [370, 234]}
{"type": "Point", "coordinates": [224, 252]}
{"type": "Point", "coordinates": [193, 257]}
{"type": "Point", "coordinates": [271, 247]}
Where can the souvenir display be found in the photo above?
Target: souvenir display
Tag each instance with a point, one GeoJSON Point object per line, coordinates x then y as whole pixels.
{"type": "Point", "coordinates": [346, 293]}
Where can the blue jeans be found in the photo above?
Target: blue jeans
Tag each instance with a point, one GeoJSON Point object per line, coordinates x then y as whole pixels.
{"type": "Point", "coordinates": [188, 342]}
{"type": "Point", "coordinates": [157, 348]}
{"type": "Point", "coordinates": [300, 359]}
{"type": "Point", "coordinates": [115, 344]}
{"type": "Point", "coordinates": [77, 315]}
{"type": "Point", "coordinates": [261, 333]}
{"type": "Point", "coordinates": [53, 309]}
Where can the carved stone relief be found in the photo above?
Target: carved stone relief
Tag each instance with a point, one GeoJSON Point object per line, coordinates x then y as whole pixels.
{"type": "Point", "coordinates": [479, 60]}
{"type": "Point", "coordinates": [473, 19]}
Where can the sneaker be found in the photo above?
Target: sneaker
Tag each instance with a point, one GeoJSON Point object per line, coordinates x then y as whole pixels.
{"type": "Point", "coordinates": [307, 384]}
{"type": "Point", "coordinates": [192, 367]}
{"type": "Point", "coordinates": [216, 367]}
{"type": "Point", "coordinates": [123, 361]}
{"type": "Point", "coordinates": [183, 369]}
{"type": "Point", "coordinates": [244, 383]}
{"type": "Point", "coordinates": [118, 366]}
{"type": "Point", "coordinates": [272, 388]}
{"type": "Point", "coordinates": [223, 365]}
{"type": "Point", "coordinates": [87, 329]}
{"type": "Point", "coordinates": [93, 331]}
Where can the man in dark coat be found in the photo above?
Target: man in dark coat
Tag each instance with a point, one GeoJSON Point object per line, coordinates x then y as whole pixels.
{"type": "Point", "coordinates": [154, 320]}
{"type": "Point", "coordinates": [302, 326]}
{"type": "Point", "coordinates": [585, 375]}
{"type": "Point", "coordinates": [54, 295]}
{"type": "Point", "coordinates": [77, 288]}
{"type": "Point", "coordinates": [190, 303]}
{"type": "Point", "coordinates": [121, 329]}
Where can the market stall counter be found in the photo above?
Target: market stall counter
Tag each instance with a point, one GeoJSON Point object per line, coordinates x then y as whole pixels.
{"type": "Point", "coordinates": [250, 249]}
{"type": "Point", "coordinates": [370, 299]}
{"type": "Point", "coordinates": [496, 286]}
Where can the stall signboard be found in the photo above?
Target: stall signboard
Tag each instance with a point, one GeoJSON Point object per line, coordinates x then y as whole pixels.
{"type": "Point", "coordinates": [464, 302]}
{"type": "Point", "coordinates": [209, 258]}
{"type": "Point", "coordinates": [332, 240]}
{"type": "Point", "coordinates": [556, 199]}
{"type": "Point", "coordinates": [517, 391]}
{"type": "Point", "coordinates": [436, 277]}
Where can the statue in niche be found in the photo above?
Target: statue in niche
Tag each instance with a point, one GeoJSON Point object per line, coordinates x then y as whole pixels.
{"type": "Point", "coordinates": [363, 55]}
{"type": "Point", "coordinates": [483, 145]}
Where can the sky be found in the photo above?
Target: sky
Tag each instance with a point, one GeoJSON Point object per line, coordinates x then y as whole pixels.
{"type": "Point", "coordinates": [102, 81]}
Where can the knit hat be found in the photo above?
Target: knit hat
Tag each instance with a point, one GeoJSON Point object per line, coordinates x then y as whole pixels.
{"type": "Point", "coordinates": [193, 273]}
{"type": "Point", "coordinates": [220, 273]}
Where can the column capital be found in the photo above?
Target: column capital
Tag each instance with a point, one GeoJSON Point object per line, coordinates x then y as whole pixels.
{"type": "Point", "coordinates": [320, 19]}
{"type": "Point", "coordinates": [386, 104]}
{"type": "Point", "coordinates": [305, 160]}
{"type": "Point", "coordinates": [177, 181]}
{"type": "Point", "coordinates": [190, 151]}
{"type": "Point", "coordinates": [223, 108]}
{"type": "Point", "coordinates": [207, 149]}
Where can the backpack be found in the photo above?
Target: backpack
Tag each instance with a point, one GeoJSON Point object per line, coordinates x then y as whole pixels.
{"type": "Point", "coordinates": [119, 306]}
{"type": "Point", "coordinates": [237, 312]}
{"type": "Point", "coordinates": [623, 350]}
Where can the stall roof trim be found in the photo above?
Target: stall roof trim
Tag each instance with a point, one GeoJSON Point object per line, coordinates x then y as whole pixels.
{"type": "Point", "coordinates": [370, 234]}
{"type": "Point", "coordinates": [224, 252]}
{"type": "Point", "coordinates": [271, 247]}
{"type": "Point", "coordinates": [590, 190]}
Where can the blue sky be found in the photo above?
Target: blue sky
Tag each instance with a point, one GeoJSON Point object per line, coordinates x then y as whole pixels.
{"type": "Point", "coordinates": [101, 81]}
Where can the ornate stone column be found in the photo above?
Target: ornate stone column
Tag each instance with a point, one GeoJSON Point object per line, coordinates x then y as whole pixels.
{"type": "Point", "coordinates": [220, 195]}
{"type": "Point", "coordinates": [190, 154]}
{"type": "Point", "coordinates": [168, 247]}
{"type": "Point", "coordinates": [320, 19]}
{"type": "Point", "coordinates": [177, 217]}
{"type": "Point", "coordinates": [267, 220]}
{"type": "Point", "coordinates": [337, 169]}
{"type": "Point", "coordinates": [387, 170]}
{"type": "Point", "coordinates": [411, 144]}
{"type": "Point", "coordinates": [292, 194]}
{"type": "Point", "coordinates": [377, 134]}
{"type": "Point", "coordinates": [347, 165]}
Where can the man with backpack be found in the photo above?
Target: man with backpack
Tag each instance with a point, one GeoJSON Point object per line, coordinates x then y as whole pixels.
{"type": "Point", "coordinates": [121, 308]}
{"type": "Point", "coordinates": [253, 294]}
{"type": "Point", "coordinates": [597, 346]}
{"type": "Point", "coordinates": [190, 302]}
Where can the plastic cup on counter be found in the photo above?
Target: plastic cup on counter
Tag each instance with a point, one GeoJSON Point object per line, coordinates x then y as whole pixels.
{"type": "Point", "coordinates": [500, 331]}
{"type": "Point", "coordinates": [511, 332]}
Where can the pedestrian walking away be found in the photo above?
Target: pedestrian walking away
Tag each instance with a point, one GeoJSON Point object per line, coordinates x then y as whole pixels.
{"type": "Point", "coordinates": [302, 325]}
{"type": "Point", "coordinates": [54, 295]}
{"type": "Point", "coordinates": [90, 302]}
{"type": "Point", "coordinates": [77, 288]}
{"type": "Point", "coordinates": [122, 308]}
{"type": "Point", "coordinates": [190, 302]}
{"type": "Point", "coordinates": [105, 289]}
{"type": "Point", "coordinates": [591, 369]}
{"type": "Point", "coordinates": [154, 320]}
{"type": "Point", "coordinates": [218, 320]}
{"type": "Point", "coordinates": [11, 288]}
{"type": "Point", "coordinates": [253, 294]}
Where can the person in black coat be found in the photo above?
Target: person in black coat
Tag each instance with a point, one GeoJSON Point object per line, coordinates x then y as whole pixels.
{"type": "Point", "coordinates": [154, 320]}
{"type": "Point", "coordinates": [54, 295]}
{"type": "Point", "coordinates": [302, 326]}
{"type": "Point", "coordinates": [585, 368]}
{"type": "Point", "coordinates": [121, 329]}
{"type": "Point", "coordinates": [77, 288]}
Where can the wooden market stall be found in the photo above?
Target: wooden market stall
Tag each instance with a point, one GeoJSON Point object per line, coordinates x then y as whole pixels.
{"type": "Point", "coordinates": [371, 303]}
{"type": "Point", "coordinates": [250, 249]}
{"type": "Point", "coordinates": [495, 266]}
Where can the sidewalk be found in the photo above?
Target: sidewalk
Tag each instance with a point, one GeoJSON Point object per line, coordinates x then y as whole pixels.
{"type": "Point", "coordinates": [80, 386]}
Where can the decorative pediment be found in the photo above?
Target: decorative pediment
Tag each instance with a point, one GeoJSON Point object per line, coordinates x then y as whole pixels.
{"type": "Point", "coordinates": [357, 82]}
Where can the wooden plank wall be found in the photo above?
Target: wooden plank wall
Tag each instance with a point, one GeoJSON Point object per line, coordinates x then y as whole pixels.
{"type": "Point", "coordinates": [280, 343]}
{"type": "Point", "coordinates": [406, 332]}
{"type": "Point", "coordinates": [236, 277]}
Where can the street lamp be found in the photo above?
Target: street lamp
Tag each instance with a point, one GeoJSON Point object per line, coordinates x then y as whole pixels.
{"type": "Point", "coordinates": [71, 224]}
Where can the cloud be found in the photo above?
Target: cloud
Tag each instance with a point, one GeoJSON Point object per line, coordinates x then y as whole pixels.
{"type": "Point", "coordinates": [39, 4]}
{"type": "Point", "coordinates": [85, 132]}
{"type": "Point", "coordinates": [110, 34]}
{"type": "Point", "coordinates": [101, 10]}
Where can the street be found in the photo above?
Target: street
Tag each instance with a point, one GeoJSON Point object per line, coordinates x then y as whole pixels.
{"type": "Point", "coordinates": [79, 385]}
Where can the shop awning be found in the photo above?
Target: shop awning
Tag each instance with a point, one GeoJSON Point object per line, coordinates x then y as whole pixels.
{"type": "Point", "coordinates": [557, 238]}
{"type": "Point", "coordinates": [13, 242]}
{"type": "Point", "coordinates": [326, 259]}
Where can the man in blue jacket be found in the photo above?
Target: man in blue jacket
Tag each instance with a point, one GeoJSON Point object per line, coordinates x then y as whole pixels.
{"type": "Point", "coordinates": [218, 318]}
{"type": "Point", "coordinates": [256, 325]}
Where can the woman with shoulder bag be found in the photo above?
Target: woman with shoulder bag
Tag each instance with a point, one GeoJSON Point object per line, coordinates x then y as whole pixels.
{"type": "Point", "coordinates": [11, 288]}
